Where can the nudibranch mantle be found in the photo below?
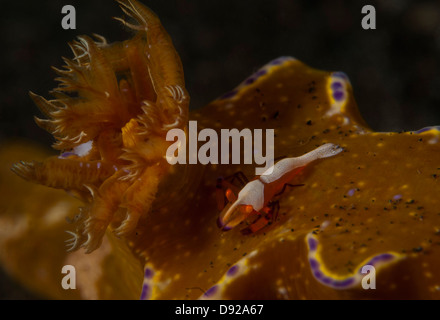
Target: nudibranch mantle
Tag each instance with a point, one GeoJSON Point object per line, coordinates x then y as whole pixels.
{"type": "Point", "coordinates": [322, 274]}
{"type": "Point", "coordinates": [376, 201]}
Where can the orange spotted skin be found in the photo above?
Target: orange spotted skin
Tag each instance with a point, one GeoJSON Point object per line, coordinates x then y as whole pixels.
{"type": "Point", "coordinates": [122, 98]}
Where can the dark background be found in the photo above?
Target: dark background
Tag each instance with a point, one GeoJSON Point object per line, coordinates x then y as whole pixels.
{"type": "Point", "coordinates": [394, 70]}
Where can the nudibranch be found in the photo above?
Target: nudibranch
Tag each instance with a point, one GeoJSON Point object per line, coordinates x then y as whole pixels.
{"type": "Point", "coordinates": [113, 107]}
{"type": "Point", "coordinates": [375, 204]}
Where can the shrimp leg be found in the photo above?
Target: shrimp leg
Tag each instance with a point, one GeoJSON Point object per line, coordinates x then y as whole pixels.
{"type": "Point", "coordinates": [271, 210]}
{"type": "Point", "coordinates": [288, 185]}
{"type": "Point", "coordinates": [240, 176]}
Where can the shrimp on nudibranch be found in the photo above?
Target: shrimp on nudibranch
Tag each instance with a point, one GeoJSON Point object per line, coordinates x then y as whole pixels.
{"type": "Point", "coordinates": [256, 194]}
{"type": "Point", "coordinates": [110, 115]}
